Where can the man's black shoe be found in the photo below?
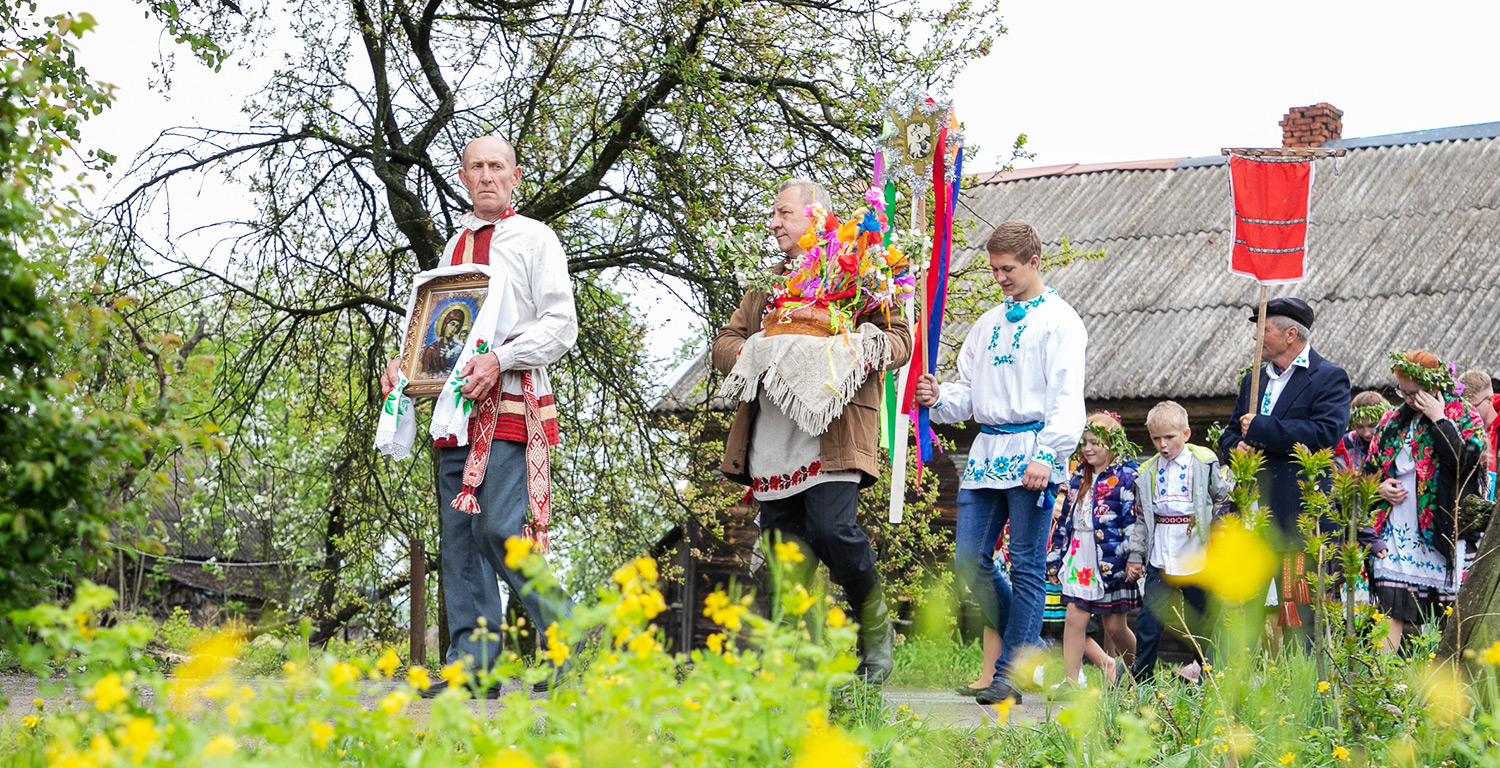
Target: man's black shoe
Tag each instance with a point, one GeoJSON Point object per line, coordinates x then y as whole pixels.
{"type": "Point", "coordinates": [999, 691]}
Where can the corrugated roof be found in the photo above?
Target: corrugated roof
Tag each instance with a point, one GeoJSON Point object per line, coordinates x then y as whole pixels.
{"type": "Point", "coordinates": [1404, 251]}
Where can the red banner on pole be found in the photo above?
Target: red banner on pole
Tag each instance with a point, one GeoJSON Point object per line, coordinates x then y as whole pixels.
{"type": "Point", "coordinates": [1270, 199]}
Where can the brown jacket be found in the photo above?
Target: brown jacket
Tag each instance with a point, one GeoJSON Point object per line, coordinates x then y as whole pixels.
{"type": "Point", "coordinates": [852, 439]}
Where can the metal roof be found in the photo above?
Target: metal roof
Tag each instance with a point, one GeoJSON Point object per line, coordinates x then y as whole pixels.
{"type": "Point", "coordinates": [1404, 252]}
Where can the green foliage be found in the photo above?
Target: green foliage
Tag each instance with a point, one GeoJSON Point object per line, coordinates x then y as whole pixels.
{"type": "Point", "coordinates": [934, 662]}
{"type": "Point", "coordinates": [67, 466]}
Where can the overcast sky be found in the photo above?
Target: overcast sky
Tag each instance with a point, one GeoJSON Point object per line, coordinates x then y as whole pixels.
{"type": "Point", "coordinates": [1087, 81]}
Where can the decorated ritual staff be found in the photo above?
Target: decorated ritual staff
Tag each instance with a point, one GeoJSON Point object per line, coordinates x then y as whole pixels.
{"type": "Point", "coordinates": [1428, 455]}
{"type": "Point", "coordinates": [806, 430]}
{"type": "Point", "coordinates": [1020, 375]}
{"type": "Point", "coordinates": [496, 418]}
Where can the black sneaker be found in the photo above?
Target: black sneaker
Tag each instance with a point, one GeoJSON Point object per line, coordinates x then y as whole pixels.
{"type": "Point", "coordinates": [431, 691]}
{"type": "Point", "coordinates": [999, 691]}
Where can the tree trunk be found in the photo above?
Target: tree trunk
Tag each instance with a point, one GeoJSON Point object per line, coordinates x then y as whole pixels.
{"type": "Point", "coordinates": [1479, 600]}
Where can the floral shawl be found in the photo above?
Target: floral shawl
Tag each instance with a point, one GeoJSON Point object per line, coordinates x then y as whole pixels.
{"type": "Point", "coordinates": [1387, 445]}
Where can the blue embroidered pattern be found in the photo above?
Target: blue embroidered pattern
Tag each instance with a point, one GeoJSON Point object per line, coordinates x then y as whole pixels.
{"type": "Point", "coordinates": [1001, 468]}
{"type": "Point", "coordinates": [1004, 360]}
{"type": "Point", "coordinates": [1015, 342]}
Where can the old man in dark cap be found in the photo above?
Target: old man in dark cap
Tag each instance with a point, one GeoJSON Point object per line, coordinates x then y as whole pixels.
{"type": "Point", "coordinates": [1304, 399]}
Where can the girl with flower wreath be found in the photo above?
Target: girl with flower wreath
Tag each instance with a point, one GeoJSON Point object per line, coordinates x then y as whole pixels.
{"type": "Point", "coordinates": [1427, 455]}
{"type": "Point", "coordinates": [1087, 552]}
{"type": "Point", "coordinates": [1365, 412]}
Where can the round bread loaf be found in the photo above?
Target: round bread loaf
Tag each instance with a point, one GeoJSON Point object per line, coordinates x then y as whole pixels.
{"type": "Point", "coordinates": [801, 321]}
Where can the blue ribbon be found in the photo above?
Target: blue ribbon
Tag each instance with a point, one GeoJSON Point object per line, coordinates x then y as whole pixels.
{"type": "Point", "coordinates": [935, 322]}
{"type": "Point", "coordinates": [1011, 429]}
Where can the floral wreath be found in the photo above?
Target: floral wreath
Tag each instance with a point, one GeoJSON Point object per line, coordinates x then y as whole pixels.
{"type": "Point", "coordinates": [1440, 379]}
{"type": "Point", "coordinates": [1368, 414]}
{"type": "Point", "coordinates": [1113, 439]}
{"type": "Point", "coordinates": [846, 266]}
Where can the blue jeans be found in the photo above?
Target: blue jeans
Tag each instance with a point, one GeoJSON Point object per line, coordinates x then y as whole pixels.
{"type": "Point", "coordinates": [1013, 607]}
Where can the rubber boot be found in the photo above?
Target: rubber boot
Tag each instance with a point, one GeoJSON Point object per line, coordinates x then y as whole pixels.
{"type": "Point", "coordinates": [876, 639]}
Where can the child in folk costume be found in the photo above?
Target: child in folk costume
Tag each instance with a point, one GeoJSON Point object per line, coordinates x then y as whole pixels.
{"type": "Point", "coordinates": [1428, 455]}
{"type": "Point", "coordinates": [1178, 491]}
{"type": "Point", "coordinates": [1088, 553]}
{"type": "Point", "coordinates": [1365, 412]}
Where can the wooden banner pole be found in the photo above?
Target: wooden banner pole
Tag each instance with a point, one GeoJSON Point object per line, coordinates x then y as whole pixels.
{"type": "Point", "coordinates": [1260, 333]}
{"type": "Point", "coordinates": [897, 509]}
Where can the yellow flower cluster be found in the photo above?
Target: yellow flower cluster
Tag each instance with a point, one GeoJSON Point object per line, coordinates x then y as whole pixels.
{"type": "Point", "coordinates": [789, 552]}
{"type": "Point", "coordinates": [106, 693]}
{"type": "Point", "coordinates": [1492, 654]}
{"type": "Point", "coordinates": [517, 550]}
{"type": "Point", "coordinates": [557, 651]}
{"type": "Point", "coordinates": [719, 609]}
{"type": "Point", "coordinates": [211, 660]}
{"type": "Point", "coordinates": [638, 592]}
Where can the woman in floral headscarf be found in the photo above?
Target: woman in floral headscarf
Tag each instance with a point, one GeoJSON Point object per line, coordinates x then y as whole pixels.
{"type": "Point", "coordinates": [1427, 454]}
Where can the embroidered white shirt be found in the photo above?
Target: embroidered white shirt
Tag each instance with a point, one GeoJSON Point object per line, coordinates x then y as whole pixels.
{"type": "Point", "coordinates": [547, 322]}
{"type": "Point", "coordinates": [1276, 382]}
{"type": "Point", "coordinates": [1172, 550]}
{"type": "Point", "coordinates": [1015, 372]}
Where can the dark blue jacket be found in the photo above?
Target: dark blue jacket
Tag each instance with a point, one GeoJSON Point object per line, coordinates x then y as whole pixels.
{"type": "Point", "coordinates": [1313, 410]}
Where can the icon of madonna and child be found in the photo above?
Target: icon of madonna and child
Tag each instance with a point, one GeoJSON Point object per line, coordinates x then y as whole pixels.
{"type": "Point", "coordinates": [447, 332]}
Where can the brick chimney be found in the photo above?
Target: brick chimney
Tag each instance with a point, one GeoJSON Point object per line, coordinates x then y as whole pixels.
{"type": "Point", "coordinates": [1312, 126]}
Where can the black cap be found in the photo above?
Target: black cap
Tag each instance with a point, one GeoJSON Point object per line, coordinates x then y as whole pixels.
{"type": "Point", "coordinates": [1296, 309]}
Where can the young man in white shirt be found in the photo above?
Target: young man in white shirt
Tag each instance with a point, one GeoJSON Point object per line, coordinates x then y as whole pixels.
{"type": "Point", "coordinates": [1020, 376]}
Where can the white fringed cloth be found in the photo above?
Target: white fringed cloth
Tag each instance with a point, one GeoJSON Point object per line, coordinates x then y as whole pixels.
{"type": "Point", "coordinates": [809, 378]}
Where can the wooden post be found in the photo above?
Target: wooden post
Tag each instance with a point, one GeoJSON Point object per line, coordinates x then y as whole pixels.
{"type": "Point", "coordinates": [898, 436]}
{"type": "Point", "coordinates": [1260, 332]}
{"type": "Point", "coordinates": [418, 591]}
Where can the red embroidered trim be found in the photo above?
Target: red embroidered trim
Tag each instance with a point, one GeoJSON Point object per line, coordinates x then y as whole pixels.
{"type": "Point", "coordinates": [786, 481]}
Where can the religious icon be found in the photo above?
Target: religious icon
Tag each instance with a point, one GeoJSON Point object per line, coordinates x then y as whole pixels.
{"type": "Point", "coordinates": [442, 318]}
{"type": "Point", "coordinates": [919, 141]}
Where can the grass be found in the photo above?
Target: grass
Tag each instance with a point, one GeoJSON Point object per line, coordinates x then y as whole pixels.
{"type": "Point", "coordinates": [935, 662]}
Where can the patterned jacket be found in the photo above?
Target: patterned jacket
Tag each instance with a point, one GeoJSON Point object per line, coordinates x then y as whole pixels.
{"type": "Point", "coordinates": [1114, 517]}
{"type": "Point", "coordinates": [1210, 488]}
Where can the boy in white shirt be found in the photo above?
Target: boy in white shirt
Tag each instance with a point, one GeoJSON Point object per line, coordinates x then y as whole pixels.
{"type": "Point", "coordinates": [1179, 491]}
{"type": "Point", "coordinates": [1020, 376]}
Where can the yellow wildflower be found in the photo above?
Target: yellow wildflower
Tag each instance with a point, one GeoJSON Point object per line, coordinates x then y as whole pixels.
{"type": "Point", "coordinates": [719, 600]}
{"type": "Point", "coordinates": [343, 673]}
{"type": "Point", "coordinates": [1492, 654]}
{"type": "Point", "coordinates": [109, 691]}
{"type": "Point", "coordinates": [652, 604]}
{"type": "Point", "coordinates": [1339, 753]}
{"type": "Point", "coordinates": [804, 600]}
{"type": "Point", "coordinates": [1002, 710]}
{"type": "Point", "coordinates": [321, 733]}
{"type": "Point", "coordinates": [836, 617]}
{"type": "Point", "coordinates": [716, 642]}
{"type": "Point", "coordinates": [1377, 616]}
{"type": "Point", "coordinates": [1445, 694]}
{"type": "Point", "coordinates": [692, 704]}
{"type": "Point", "coordinates": [1237, 565]}
{"type": "Point", "coordinates": [643, 645]}
{"type": "Point", "coordinates": [417, 677]}
{"type": "Point", "coordinates": [454, 674]}
{"type": "Point", "coordinates": [789, 552]}
{"type": "Point", "coordinates": [829, 748]}
{"type": "Point", "coordinates": [222, 744]}
{"type": "Point", "coordinates": [139, 734]}
{"type": "Point", "coordinates": [234, 713]}
{"type": "Point", "coordinates": [512, 758]}
{"type": "Point", "coordinates": [388, 662]}
{"type": "Point", "coordinates": [394, 702]}
{"type": "Point", "coordinates": [647, 568]}
{"type": "Point", "coordinates": [557, 652]}
{"type": "Point", "coordinates": [31, 721]}
{"type": "Point", "coordinates": [1447, 610]}
{"type": "Point", "coordinates": [1287, 758]}
{"type": "Point", "coordinates": [624, 575]}
{"type": "Point", "coordinates": [1322, 686]}
{"type": "Point", "coordinates": [559, 759]}
{"type": "Point", "coordinates": [516, 550]}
